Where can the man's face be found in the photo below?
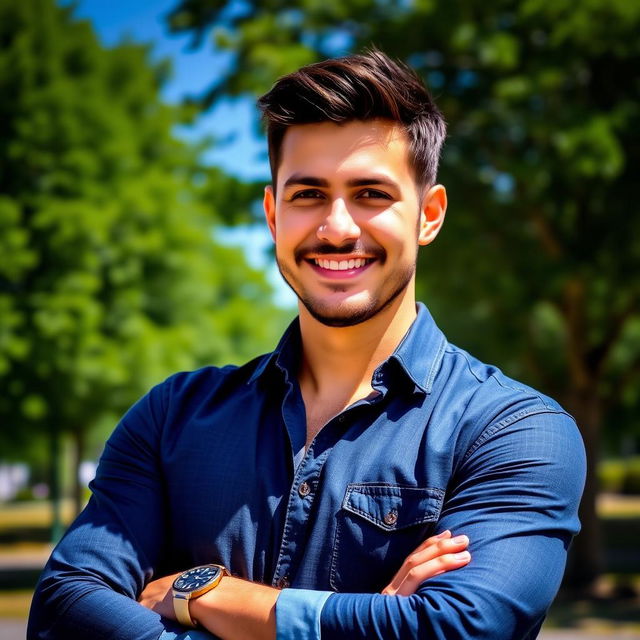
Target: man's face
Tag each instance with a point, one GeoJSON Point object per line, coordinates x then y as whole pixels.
{"type": "Point", "coordinates": [347, 219]}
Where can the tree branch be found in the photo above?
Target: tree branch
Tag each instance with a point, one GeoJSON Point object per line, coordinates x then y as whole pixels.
{"type": "Point", "coordinates": [597, 356]}
{"type": "Point", "coordinates": [548, 238]}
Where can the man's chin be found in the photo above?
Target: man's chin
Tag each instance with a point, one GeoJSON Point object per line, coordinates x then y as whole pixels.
{"type": "Point", "coordinates": [340, 317]}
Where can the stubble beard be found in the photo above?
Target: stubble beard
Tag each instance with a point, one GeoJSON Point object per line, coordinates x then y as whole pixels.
{"type": "Point", "coordinates": [347, 315]}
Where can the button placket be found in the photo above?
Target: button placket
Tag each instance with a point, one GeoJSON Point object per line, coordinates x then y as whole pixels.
{"type": "Point", "coordinates": [283, 583]}
{"type": "Point", "coordinates": [304, 489]}
{"type": "Point", "coordinates": [296, 519]}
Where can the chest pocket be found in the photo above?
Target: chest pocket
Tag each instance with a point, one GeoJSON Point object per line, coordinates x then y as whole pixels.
{"type": "Point", "coordinates": [376, 529]}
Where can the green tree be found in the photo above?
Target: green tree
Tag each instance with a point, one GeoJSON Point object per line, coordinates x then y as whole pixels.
{"type": "Point", "coordinates": [109, 274]}
{"type": "Point", "coordinates": [542, 245]}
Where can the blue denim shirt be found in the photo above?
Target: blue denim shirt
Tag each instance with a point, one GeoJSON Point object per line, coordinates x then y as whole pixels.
{"type": "Point", "coordinates": [210, 466]}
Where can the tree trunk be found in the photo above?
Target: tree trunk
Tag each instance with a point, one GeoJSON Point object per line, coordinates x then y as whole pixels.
{"type": "Point", "coordinates": [78, 442]}
{"type": "Point", "coordinates": [586, 560]}
{"type": "Point", "coordinates": [55, 453]}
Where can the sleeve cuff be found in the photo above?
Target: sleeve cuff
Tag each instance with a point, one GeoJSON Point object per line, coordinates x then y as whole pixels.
{"type": "Point", "coordinates": [298, 614]}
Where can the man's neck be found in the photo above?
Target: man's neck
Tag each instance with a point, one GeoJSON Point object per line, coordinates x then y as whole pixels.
{"type": "Point", "coordinates": [340, 361]}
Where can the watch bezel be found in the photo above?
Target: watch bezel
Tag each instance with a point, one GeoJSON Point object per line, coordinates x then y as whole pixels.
{"type": "Point", "coordinates": [203, 588]}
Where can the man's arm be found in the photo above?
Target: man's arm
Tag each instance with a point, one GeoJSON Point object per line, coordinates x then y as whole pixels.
{"type": "Point", "coordinates": [237, 609]}
{"type": "Point", "coordinates": [90, 584]}
{"type": "Point", "coordinates": [515, 494]}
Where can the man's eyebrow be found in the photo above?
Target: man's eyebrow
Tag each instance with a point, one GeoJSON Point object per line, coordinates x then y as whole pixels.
{"type": "Point", "coordinates": [313, 181]}
{"type": "Point", "coordinates": [307, 181]}
{"type": "Point", "coordinates": [380, 181]}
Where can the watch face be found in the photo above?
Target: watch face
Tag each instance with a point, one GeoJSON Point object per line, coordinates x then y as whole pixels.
{"type": "Point", "coordinates": [196, 578]}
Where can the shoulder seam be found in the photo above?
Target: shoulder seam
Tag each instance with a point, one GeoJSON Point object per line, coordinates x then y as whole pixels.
{"type": "Point", "coordinates": [496, 427]}
{"type": "Point", "coordinates": [456, 351]}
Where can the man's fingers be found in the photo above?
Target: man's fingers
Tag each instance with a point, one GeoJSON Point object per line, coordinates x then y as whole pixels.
{"type": "Point", "coordinates": [434, 556]}
{"type": "Point", "coordinates": [418, 574]}
{"type": "Point", "coordinates": [439, 548]}
{"type": "Point", "coordinates": [432, 540]}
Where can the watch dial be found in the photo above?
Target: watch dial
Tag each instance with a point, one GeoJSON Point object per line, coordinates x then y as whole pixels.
{"type": "Point", "coordinates": [196, 578]}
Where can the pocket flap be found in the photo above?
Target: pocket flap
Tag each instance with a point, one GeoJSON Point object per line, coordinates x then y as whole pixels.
{"type": "Point", "coordinates": [392, 507]}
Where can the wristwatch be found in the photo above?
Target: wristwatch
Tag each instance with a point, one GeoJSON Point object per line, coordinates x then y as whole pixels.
{"type": "Point", "coordinates": [192, 584]}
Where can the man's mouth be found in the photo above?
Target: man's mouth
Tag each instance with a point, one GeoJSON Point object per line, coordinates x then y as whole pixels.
{"type": "Point", "coordinates": [342, 265]}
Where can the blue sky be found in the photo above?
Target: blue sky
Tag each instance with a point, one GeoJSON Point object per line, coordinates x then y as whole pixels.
{"type": "Point", "coordinates": [240, 151]}
{"type": "Point", "coordinates": [193, 71]}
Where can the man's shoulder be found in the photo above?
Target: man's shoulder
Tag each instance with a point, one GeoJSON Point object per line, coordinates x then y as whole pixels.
{"type": "Point", "coordinates": [493, 407]}
{"type": "Point", "coordinates": [490, 403]}
{"type": "Point", "coordinates": [210, 378]}
{"type": "Point", "coordinates": [487, 383]}
{"type": "Point", "coordinates": [207, 382]}
{"type": "Point", "coordinates": [200, 392]}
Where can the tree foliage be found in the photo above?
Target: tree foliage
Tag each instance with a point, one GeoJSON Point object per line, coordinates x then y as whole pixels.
{"type": "Point", "coordinates": [538, 266]}
{"type": "Point", "coordinates": [110, 277]}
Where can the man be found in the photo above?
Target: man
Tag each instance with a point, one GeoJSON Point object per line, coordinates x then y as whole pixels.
{"type": "Point", "coordinates": [327, 477]}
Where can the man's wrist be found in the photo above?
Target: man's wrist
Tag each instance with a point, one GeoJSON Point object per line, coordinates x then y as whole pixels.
{"type": "Point", "coordinates": [237, 608]}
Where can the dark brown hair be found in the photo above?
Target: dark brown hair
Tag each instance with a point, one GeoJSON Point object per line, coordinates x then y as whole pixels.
{"type": "Point", "coordinates": [357, 87]}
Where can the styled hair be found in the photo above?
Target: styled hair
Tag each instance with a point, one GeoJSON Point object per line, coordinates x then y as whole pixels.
{"type": "Point", "coordinates": [357, 87]}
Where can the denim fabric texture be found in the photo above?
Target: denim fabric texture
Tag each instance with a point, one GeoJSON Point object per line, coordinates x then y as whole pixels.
{"type": "Point", "coordinates": [210, 466]}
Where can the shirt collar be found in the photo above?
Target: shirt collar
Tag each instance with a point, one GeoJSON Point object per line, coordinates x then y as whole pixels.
{"type": "Point", "coordinates": [418, 355]}
{"type": "Point", "coordinates": [420, 352]}
{"type": "Point", "coordinates": [286, 355]}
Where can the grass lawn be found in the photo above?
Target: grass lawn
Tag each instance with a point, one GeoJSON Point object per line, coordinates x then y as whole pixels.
{"type": "Point", "coordinates": [15, 604]}
{"type": "Point", "coordinates": [27, 523]}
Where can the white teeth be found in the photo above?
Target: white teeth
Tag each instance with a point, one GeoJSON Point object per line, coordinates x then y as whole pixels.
{"type": "Point", "coordinates": [343, 265]}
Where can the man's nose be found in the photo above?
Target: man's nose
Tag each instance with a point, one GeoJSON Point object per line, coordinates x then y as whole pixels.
{"type": "Point", "coordinates": [339, 226]}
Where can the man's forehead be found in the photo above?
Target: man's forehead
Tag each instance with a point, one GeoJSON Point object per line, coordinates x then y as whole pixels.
{"type": "Point", "coordinates": [374, 131]}
{"type": "Point", "coordinates": [312, 149]}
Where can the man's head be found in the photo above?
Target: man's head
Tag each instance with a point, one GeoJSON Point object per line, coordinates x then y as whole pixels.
{"type": "Point", "coordinates": [354, 146]}
{"type": "Point", "coordinates": [358, 87]}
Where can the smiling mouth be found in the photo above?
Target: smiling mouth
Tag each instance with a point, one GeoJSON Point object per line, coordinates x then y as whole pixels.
{"type": "Point", "coordinates": [341, 265]}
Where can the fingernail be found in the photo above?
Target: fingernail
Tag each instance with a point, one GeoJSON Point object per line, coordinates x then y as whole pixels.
{"type": "Point", "coordinates": [460, 539]}
{"type": "Point", "coordinates": [463, 556]}
{"type": "Point", "coordinates": [444, 534]}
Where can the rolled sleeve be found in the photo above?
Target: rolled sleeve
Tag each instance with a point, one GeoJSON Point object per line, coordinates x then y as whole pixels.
{"type": "Point", "coordinates": [298, 614]}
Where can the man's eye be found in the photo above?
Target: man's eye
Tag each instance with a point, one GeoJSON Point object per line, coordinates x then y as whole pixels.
{"type": "Point", "coordinates": [307, 194]}
{"type": "Point", "coordinates": [373, 194]}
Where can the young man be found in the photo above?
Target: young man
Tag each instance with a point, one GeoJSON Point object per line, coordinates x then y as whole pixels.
{"type": "Point", "coordinates": [324, 480]}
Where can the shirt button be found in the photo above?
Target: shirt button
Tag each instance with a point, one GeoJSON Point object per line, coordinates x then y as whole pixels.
{"type": "Point", "coordinates": [283, 583]}
{"type": "Point", "coordinates": [304, 490]}
{"type": "Point", "coordinates": [341, 418]}
{"type": "Point", "coordinates": [391, 518]}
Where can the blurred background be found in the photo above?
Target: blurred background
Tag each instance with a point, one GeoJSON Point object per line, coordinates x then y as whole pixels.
{"type": "Point", "coordinates": [132, 244]}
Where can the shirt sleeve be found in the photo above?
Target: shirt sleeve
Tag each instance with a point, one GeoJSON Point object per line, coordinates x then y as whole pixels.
{"type": "Point", "coordinates": [298, 614]}
{"type": "Point", "coordinates": [90, 585]}
{"type": "Point", "coordinates": [516, 495]}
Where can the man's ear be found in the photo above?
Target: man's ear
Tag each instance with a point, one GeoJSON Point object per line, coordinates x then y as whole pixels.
{"type": "Point", "coordinates": [269, 206]}
{"type": "Point", "coordinates": [432, 211]}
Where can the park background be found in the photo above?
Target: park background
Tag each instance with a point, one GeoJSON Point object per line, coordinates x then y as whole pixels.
{"type": "Point", "coordinates": [131, 242]}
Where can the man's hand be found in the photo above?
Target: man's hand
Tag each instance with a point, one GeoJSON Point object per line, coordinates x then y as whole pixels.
{"type": "Point", "coordinates": [434, 556]}
{"type": "Point", "coordinates": [158, 597]}
{"type": "Point", "coordinates": [235, 610]}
